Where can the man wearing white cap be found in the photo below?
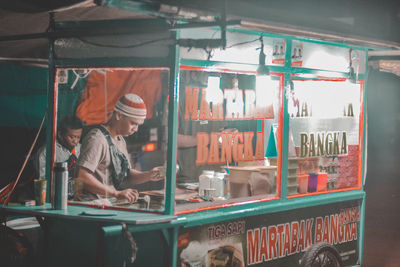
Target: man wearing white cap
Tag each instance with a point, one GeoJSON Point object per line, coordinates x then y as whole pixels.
{"type": "Point", "coordinates": [103, 166]}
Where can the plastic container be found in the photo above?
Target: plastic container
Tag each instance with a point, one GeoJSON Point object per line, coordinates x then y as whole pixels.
{"type": "Point", "coordinates": [218, 182]}
{"type": "Point", "coordinates": [302, 181]}
{"type": "Point", "coordinates": [205, 181]}
{"type": "Point", "coordinates": [312, 182]}
{"type": "Point", "coordinates": [322, 182]}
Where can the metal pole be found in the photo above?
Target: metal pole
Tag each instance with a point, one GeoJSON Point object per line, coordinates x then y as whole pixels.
{"type": "Point", "coordinates": [52, 99]}
{"type": "Point", "coordinates": [285, 120]}
{"type": "Point", "coordinates": [174, 245]}
{"type": "Point", "coordinates": [172, 127]}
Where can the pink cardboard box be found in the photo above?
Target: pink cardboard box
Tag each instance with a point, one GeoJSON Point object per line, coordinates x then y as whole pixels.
{"type": "Point", "coordinates": [322, 180]}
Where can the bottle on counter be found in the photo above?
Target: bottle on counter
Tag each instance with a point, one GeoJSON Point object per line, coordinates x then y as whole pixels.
{"type": "Point", "coordinates": [218, 182]}
{"type": "Point", "coordinates": [205, 181]}
{"type": "Point", "coordinates": [60, 198]}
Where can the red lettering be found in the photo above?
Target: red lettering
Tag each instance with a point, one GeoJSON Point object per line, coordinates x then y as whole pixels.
{"type": "Point", "coordinates": [238, 154]}
{"type": "Point", "coordinates": [341, 234]}
{"type": "Point", "coordinates": [253, 246]}
{"type": "Point", "coordinates": [318, 229]}
{"type": "Point", "coordinates": [226, 148]}
{"type": "Point", "coordinates": [205, 112]}
{"type": "Point", "coordinates": [281, 228]}
{"type": "Point", "coordinates": [264, 245]}
{"type": "Point", "coordinates": [354, 231]}
{"type": "Point", "coordinates": [309, 224]}
{"type": "Point", "coordinates": [191, 103]}
{"type": "Point", "coordinates": [334, 230]}
{"type": "Point", "coordinates": [248, 146]}
{"type": "Point", "coordinates": [272, 242]}
{"type": "Point", "coordinates": [325, 237]}
{"type": "Point", "coordinates": [301, 236]}
{"type": "Point", "coordinates": [259, 146]}
{"type": "Point", "coordinates": [202, 148]}
{"type": "Point", "coordinates": [347, 232]}
{"type": "Point", "coordinates": [341, 219]}
{"type": "Point", "coordinates": [286, 248]}
{"type": "Point", "coordinates": [213, 157]}
{"type": "Point", "coordinates": [295, 242]}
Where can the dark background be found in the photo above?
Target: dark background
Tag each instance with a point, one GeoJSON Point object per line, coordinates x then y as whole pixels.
{"type": "Point", "coordinates": [382, 227]}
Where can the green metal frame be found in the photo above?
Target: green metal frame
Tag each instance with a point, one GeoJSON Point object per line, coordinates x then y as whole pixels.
{"type": "Point", "coordinates": [285, 126]}
{"type": "Point", "coordinates": [50, 114]}
{"type": "Point", "coordinates": [112, 62]}
{"type": "Point", "coordinates": [232, 213]}
{"type": "Point", "coordinates": [288, 37]}
{"type": "Point", "coordinates": [364, 161]}
{"type": "Point", "coordinates": [172, 129]}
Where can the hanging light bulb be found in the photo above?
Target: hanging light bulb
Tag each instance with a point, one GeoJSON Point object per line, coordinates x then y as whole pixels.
{"type": "Point", "coordinates": [262, 68]}
{"type": "Point", "coordinates": [264, 87]}
{"type": "Point", "coordinates": [213, 91]}
{"type": "Point", "coordinates": [351, 78]}
{"type": "Point", "coordinates": [264, 91]}
{"type": "Point", "coordinates": [235, 85]}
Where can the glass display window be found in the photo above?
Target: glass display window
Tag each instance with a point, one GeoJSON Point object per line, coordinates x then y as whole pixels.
{"type": "Point", "coordinates": [222, 139]}
{"type": "Point", "coordinates": [325, 133]}
{"type": "Point", "coordinates": [118, 153]}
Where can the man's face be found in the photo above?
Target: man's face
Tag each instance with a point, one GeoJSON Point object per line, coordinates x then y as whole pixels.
{"type": "Point", "coordinates": [128, 125]}
{"type": "Point", "coordinates": [71, 138]}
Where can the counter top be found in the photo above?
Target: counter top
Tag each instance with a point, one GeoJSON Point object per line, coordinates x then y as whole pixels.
{"type": "Point", "coordinates": [90, 214]}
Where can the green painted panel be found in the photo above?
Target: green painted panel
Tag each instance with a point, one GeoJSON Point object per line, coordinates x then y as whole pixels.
{"type": "Point", "coordinates": [22, 95]}
{"type": "Point", "coordinates": [19, 80]}
{"type": "Point", "coordinates": [26, 111]}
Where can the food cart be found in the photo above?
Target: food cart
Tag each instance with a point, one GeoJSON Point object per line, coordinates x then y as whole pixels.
{"type": "Point", "coordinates": [261, 135]}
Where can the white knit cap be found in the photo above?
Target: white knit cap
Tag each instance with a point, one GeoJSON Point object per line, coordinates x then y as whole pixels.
{"type": "Point", "coordinates": [131, 105]}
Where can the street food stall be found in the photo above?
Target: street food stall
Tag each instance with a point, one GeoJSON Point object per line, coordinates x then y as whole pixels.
{"type": "Point", "coordinates": [260, 138]}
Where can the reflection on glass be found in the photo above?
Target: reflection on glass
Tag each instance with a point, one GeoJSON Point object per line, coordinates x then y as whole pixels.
{"type": "Point", "coordinates": [324, 146]}
{"type": "Point", "coordinates": [221, 140]}
{"type": "Point", "coordinates": [121, 157]}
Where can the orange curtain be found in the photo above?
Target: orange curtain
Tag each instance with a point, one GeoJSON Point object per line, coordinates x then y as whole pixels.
{"type": "Point", "coordinates": [104, 89]}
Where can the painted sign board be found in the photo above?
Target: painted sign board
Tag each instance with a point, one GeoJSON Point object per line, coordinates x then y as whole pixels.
{"type": "Point", "coordinates": [275, 239]}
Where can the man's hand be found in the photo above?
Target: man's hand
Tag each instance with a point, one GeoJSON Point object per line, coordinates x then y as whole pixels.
{"type": "Point", "coordinates": [139, 177]}
{"type": "Point", "coordinates": [157, 173]}
{"type": "Point", "coordinates": [129, 194]}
